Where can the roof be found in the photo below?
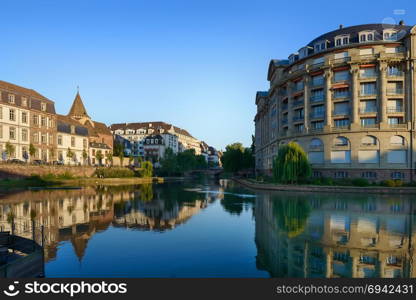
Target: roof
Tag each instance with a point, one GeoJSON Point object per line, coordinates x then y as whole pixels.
{"type": "Point", "coordinates": [78, 108]}
{"type": "Point", "coordinates": [99, 145]}
{"type": "Point", "coordinates": [64, 124]}
{"type": "Point", "coordinates": [150, 125]}
{"type": "Point", "coordinates": [354, 30]}
{"type": "Point", "coordinates": [35, 98]}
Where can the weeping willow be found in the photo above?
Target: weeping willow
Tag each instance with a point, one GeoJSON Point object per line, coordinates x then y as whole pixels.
{"type": "Point", "coordinates": [292, 214]}
{"type": "Point", "coordinates": [291, 164]}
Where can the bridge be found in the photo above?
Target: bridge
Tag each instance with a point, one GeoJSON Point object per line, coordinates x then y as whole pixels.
{"type": "Point", "coordinates": [211, 172]}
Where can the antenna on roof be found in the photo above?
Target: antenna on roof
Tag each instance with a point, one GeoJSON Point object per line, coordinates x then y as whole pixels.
{"type": "Point", "coordinates": [341, 26]}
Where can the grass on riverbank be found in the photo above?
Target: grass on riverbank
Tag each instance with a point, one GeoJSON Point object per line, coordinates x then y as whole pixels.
{"type": "Point", "coordinates": [325, 181]}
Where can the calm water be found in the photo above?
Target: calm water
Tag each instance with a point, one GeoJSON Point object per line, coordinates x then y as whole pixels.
{"type": "Point", "coordinates": [216, 229]}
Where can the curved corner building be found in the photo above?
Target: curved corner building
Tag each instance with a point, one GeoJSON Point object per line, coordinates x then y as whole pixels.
{"type": "Point", "coordinates": [348, 99]}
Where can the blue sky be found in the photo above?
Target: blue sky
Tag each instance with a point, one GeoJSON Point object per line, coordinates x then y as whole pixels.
{"type": "Point", "coordinates": [196, 64]}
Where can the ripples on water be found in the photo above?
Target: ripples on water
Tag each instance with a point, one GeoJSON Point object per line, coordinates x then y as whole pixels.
{"type": "Point", "coordinates": [211, 229]}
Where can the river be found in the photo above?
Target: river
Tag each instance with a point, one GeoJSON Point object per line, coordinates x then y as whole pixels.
{"type": "Point", "coordinates": [215, 229]}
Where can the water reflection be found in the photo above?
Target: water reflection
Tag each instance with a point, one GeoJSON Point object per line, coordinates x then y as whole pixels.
{"type": "Point", "coordinates": [325, 235]}
{"type": "Point", "coordinates": [76, 215]}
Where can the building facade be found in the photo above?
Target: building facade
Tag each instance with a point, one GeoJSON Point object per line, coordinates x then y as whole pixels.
{"type": "Point", "coordinates": [72, 141]}
{"type": "Point", "coordinates": [133, 135]}
{"type": "Point", "coordinates": [348, 99]}
{"type": "Point", "coordinates": [26, 117]}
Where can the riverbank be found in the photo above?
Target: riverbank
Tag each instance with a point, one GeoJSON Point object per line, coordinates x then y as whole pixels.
{"type": "Point", "coordinates": [327, 189]}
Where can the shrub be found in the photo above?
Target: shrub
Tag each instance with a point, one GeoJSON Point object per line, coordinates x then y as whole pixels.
{"type": "Point", "coordinates": [113, 172]}
{"type": "Point", "coordinates": [392, 183]}
{"type": "Point", "coordinates": [146, 169]}
{"type": "Point", "coordinates": [360, 182]}
{"type": "Point", "coordinates": [327, 181]}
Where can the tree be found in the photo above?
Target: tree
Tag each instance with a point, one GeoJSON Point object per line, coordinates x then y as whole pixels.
{"type": "Point", "coordinates": [232, 159]}
{"type": "Point", "coordinates": [99, 156]}
{"type": "Point", "coordinates": [32, 150]}
{"type": "Point", "coordinates": [109, 157]}
{"type": "Point", "coordinates": [84, 155]}
{"type": "Point", "coordinates": [69, 154]}
{"type": "Point", "coordinates": [201, 162]}
{"type": "Point", "coordinates": [52, 153]}
{"type": "Point", "coordinates": [147, 169]}
{"type": "Point", "coordinates": [131, 158]}
{"type": "Point", "coordinates": [9, 149]}
{"type": "Point", "coordinates": [291, 164]}
{"type": "Point", "coordinates": [121, 157]}
{"type": "Point", "coordinates": [169, 163]}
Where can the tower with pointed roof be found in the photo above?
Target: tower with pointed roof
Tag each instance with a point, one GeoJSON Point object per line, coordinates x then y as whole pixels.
{"type": "Point", "coordinates": [78, 110]}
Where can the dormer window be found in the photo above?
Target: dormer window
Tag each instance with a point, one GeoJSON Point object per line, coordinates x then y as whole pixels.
{"type": "Point", "coordinates": [11, 98]}
{"type": "Point", "coordinates": [366, 36]}
{"type": "Point", "coordinates": [293, 58]}
{"type": "Point", "coordinates": [320, 46]}
{"type": "Point", "coordinates": [389, 35]}
{"type": "Point", "coordinates": [43, 106]}
{"type": "Point", "coordinates": [24, 101]}
{"type": "Point", "coordinates": [342, 40]}
{"type": "Point", "coordinates": [303, 52]}
{"type": "Point", "coordinates": [72, 129]}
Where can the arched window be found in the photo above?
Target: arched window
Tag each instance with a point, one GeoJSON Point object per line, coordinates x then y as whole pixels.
{"type": "Point", "coordinates": [369, 140]}
{"type": "Point", "coordinates": [341, 141]}
{"type": "Point", "coordinates": [315, 143]}
{"type": "Point", "coordinates": [397, 140]}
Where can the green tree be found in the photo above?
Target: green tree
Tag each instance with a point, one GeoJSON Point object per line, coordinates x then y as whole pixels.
{"type": "Point", "coordinates": [131, 158]}
{"type": "Point", "coordinates": [232, 159]}
{"type": "Point", "coordinates": [147, 169]}
{"type": "Point", "coordinates": [32, 150]}
{"type": "Point", "coordinates": [109, 157]}
{"type": "Point", "coordinates": [84, 155]}
{"type": "Point", "coordinates": [99, 156]}
{"type": "Point", "coordinates": [201, 162]}
{"type": "Point", "coordinates": [186, 160]}
{"type": "Point", "coordinates": [69, 154]}
{"type": "Point", "coordinates": [9, 149]}
{"type": "Point", "coordinates": [291, 164]}
{"type": "Point", "coordinates": [169, 163]}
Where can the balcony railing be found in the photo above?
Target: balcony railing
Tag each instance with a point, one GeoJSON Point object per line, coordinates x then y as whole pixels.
{"type": "Point", "coordinates": [368, 93]}
{"type": "Point", "coordinates": [298, 118]}
{"type": "Point", "coordinates": [397, 109]}
{"type": "Point", "coordinates": [317, 129]}
{"type": "Point", "coordinates": [316, 65]}
{"type": "Point", "coordinates": [340, 112]}
{"type": "Point", "coordinates": [298, 102]}
{"type": "Point", "coordinates": [317, 98]}
{"type": "Point", "coordinates": [285, 106]}
{"type": "Point", "coordinates": [395, 73]}
{"type": "Point", "coordinates": [316, 115]}
{"type": "Point", "coordinates": [395, 91]}
{"type": "Point", "coordinates": [368, 110]}
{"type": "Point", "coordinates": [341, 95]}
{"type": "Point", "coordinates": [341, 127]}
{"type": "Point", "coordinates": [368, 75]}
{"type": "Point", "coordinates": [284, 122]}
{"type": "Point", "coordinates": [341, 60]}
{"type": "Point", "coordinates": [318, 82]}
{"type": "Point", "coordinates": [398, 125]}
{"type": "Point", "coordinates": [298, 88]}
{"type": "Point", "coordinates": [369, 125]}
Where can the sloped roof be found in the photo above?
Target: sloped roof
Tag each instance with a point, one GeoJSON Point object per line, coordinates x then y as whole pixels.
{"type": "Point", "coordinates": [78, 108]}
{"type": "Point", "coordinates": [64, 125]}
{"type": "Point", "coordinates": [22, 90]}
{"type": "Point", "coordinates": [150, 125]}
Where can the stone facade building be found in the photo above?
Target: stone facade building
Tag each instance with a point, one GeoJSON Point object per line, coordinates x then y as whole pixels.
{"type": "Point", "coordinates": [72, 141]}
{"type": "Point", "coordinates": [132, 135]}
{"type": "Point", "coordinates": [26, 117]}
{"type": "Point", "coordinates": [348, 98]}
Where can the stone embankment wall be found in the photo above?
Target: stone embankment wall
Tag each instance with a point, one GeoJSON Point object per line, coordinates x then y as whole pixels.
{"type": "Point", "coordinates": [23, 171]}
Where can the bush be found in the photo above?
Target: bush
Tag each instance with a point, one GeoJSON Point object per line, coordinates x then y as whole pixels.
{"type": "Point", "coordinates": [113, 172]}
{"type": "Point", "coordinates": [146, 169]}
{"type": "Point", "coordinates": [392, 183]}
{"type": "Point", "coordinates": [327, 181]}
{"type": "Point", "coordinates": [360, 182]}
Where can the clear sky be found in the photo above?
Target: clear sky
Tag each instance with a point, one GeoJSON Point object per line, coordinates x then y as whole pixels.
{"type": "Point", "coordinates": [196, 64]}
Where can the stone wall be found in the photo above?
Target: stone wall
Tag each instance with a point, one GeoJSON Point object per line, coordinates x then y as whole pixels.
{"type": "Point", "coordinates": [23, 171]}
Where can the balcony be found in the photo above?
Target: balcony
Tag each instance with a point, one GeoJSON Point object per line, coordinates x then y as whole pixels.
{"type": "Point", "coordinates": [368, 75]}
{"type": "Point", "coordinates": [317, 82]}
{"type": "Point", "coordinates": [298, 118]}
{"type": "Point", "coordinates": [395, 73]}
{"type": "Point", "coordinates": [284, 122]}
{"type": "Point", "coordinates": [317, 98]}
{"type": "Point", "coordinates": [368, 93]}
{"type": "Point", "coordinates": [341, 112]}
{"type": "Point", "coordinates": [368, 110]}
{"type": "Point", "coordinates": [395, 91]}
{"type": "Point", "coordinates": [317, 115]}
{"type": "Point", "coordinates": [398, 125]}
{"type": "Point", "coordinates": [316, 66]}
{"type": "Point", "coordinates": [298, 88]}
{"type": "Point", "coordinates": [317, 129]}
{"type": "Point", "coordinates": [341, 95]}
{"type": "Point", "coordinates": [298, 103]}
{"type": "Point", "coordinates": [341, 127]}
{"type": "Point", "coordinates": [369, 125]}
{"type": "Point", "coordinates": [392, 110]}
{"type": "Point", "coordinates": [342, 60]}
{"type": "Point", "coordinates": [285, 106]}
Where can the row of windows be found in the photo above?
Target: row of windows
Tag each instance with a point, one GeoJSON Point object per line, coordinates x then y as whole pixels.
{"type": "Point", "coordinates": [11, 98]}
{"type": "Point", "coordinates": [369, 140]}
{"type": "Point", "coordinates": [366, 174]}
{"type": "Point", "coordinates": [25, 120]}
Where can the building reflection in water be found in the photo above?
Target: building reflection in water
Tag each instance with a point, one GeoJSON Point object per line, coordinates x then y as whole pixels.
{"type": "Point", "coordinates": [325, 235]}
{"type": "Point", "coordinates": [76, 215]}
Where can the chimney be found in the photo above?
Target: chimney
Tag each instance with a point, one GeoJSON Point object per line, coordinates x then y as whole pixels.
{"type": "Point", "coordinates": [341, 26]}
{"type": "Point", "coordinates": [401, 23]}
